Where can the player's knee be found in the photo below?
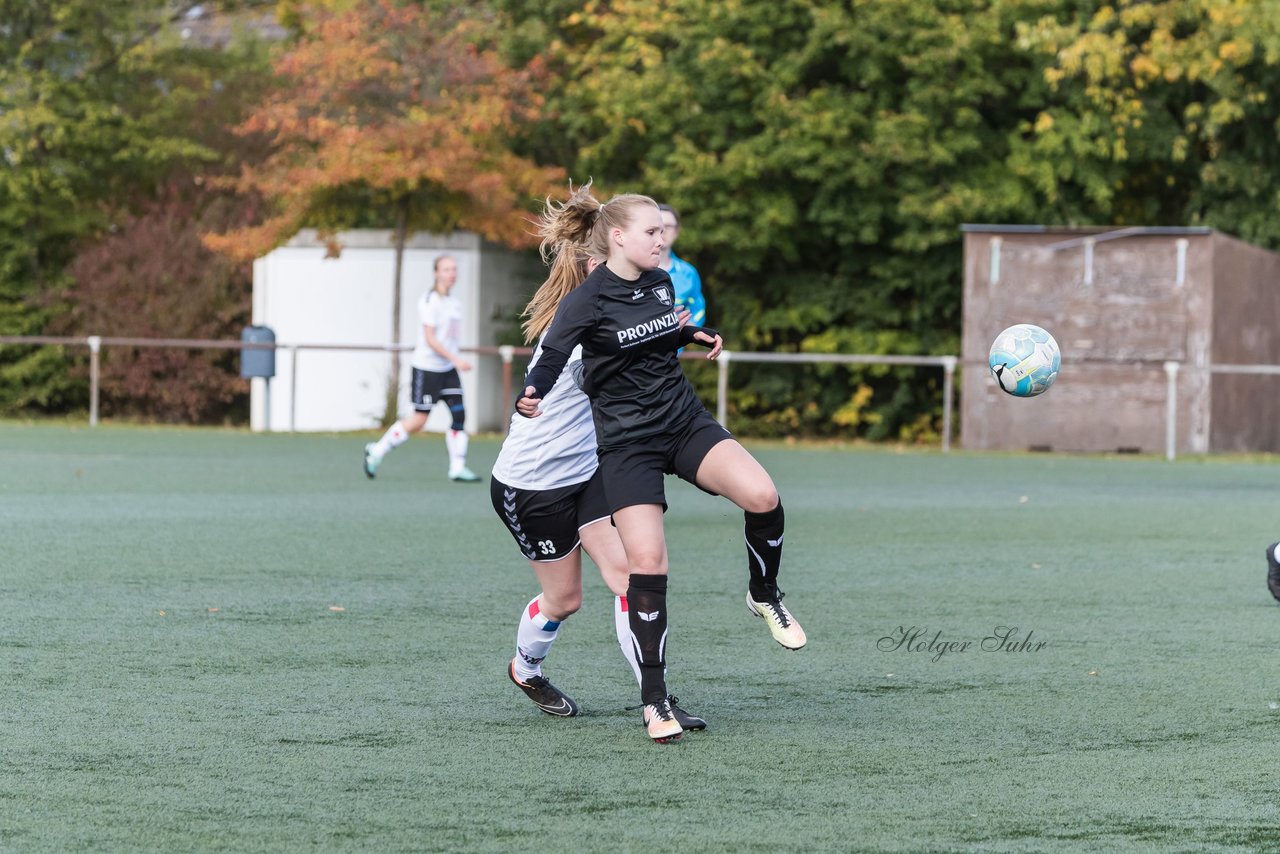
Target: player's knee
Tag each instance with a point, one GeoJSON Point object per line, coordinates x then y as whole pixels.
{"type": "Point", "coordinates": [459, 414]}
{"type": "Point", "coordinates": [647, 563]}
{"type": "Point", "coordinates": [563, 606]}
{"type": "Point", "coordinates": [759, 499]}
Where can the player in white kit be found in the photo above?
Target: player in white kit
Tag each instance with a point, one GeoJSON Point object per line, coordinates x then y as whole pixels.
{"type": "Point", "coordinates": [436, 363]}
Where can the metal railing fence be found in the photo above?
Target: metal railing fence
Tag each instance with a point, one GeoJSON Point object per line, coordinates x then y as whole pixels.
{"type": "Point", "coordinates": [508, 354]}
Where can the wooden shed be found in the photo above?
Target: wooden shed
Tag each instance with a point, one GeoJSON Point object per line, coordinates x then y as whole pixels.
{"type": "Point", "coordinates": [1130, 308]}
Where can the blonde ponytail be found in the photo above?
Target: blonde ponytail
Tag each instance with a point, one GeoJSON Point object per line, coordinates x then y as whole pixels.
{"type": "Point", "coordinates": [568, 269]}
{"type": "Point", "coordinates": [573, 231]}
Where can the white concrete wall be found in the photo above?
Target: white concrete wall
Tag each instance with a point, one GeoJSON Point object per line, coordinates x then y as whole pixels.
{"type": "Point", "coordinates": [307, 298]}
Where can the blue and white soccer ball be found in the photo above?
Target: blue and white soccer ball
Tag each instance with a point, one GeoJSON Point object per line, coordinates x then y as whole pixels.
{"type": "Point", "coordinates": [1025, 360]}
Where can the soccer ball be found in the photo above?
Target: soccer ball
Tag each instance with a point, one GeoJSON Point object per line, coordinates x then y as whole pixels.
{"type": "Point", "coordinates": [1025, 360]}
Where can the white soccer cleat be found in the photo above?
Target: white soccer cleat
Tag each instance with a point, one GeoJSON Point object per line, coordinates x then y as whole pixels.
{"type": "Point", "coordinates": [661, 723]}
{"type": "Point", "coordinates": [782, 625]}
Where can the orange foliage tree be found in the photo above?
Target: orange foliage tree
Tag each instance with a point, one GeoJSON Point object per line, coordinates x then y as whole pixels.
{"type": "Point", "coordinates": [398, 112]}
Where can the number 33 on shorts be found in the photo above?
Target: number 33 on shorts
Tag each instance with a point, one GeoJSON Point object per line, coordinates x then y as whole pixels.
{"type": "Point", "coordinates": [543, 522]}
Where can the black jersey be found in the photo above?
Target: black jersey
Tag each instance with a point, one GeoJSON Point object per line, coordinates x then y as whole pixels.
{"type": "Point", "coordinates": [629, 336]}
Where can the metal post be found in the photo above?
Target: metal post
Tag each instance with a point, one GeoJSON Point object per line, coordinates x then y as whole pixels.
{"type": "Point", "coordinates": [508, 353]}
{"type": "Point", "coordinates": [95, 345]}
{"type": "Point", "coordinates": [266, 404]}
{"type": "Point", "coordinates": [722, 388]}
{"type": "Point", "coordinates": [948, 385]}
{"type": "Point", "coordinates": [293, 388]}
{"type": "Point", "coordinates": [1171, 411]}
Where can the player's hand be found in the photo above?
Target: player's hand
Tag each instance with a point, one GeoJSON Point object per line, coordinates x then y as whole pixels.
{"type": "Point", "coordinates": [462, 365]}
{"type": "Point", "coordinates": [716, 343]}
{"type": "Point", "coordinates": [528, 406]}
{"type": "Point", "coordinates": [683, 317]}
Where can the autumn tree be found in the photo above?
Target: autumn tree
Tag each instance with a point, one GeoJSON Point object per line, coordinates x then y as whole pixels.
{"type": "Point", "coordinates": [152, 277]}
{"type": "Point", "coordinates": [400, 112]}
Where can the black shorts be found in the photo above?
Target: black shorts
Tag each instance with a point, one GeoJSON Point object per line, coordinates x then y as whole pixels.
{"type": "Point", "coordinates": [430, 386]}
{"type": "Point", "coordinates": [633, 474]}
{"type": "Point", "coordinates": [545, 522]}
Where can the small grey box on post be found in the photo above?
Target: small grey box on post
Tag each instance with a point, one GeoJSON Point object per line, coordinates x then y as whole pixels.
{"type": "Point", "coordinates": [256, 361]}
{"type": "Point", "coordinates": [259, 362]}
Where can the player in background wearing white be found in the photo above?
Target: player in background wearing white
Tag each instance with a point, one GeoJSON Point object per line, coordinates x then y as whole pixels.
{"type": "Point", "coordinates": [649, 422]}
{"type": "Point", "coordinates": [436, 365]}
{"type": "Point", "coordinates": [546, 489]}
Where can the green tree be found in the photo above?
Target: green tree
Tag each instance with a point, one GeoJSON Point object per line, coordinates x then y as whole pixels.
{"type": "Point", "coordinates": [149, 274]}
{"type": "Point", "coordinates": [1163, 113]}
{"type": "Point", "coordinates": [823, 156]}
{"type": "Point", "coordinates": [87, 115]}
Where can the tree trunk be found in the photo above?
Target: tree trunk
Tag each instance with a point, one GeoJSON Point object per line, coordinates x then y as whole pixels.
{"type": "Point", "coordinates": [392, 412]}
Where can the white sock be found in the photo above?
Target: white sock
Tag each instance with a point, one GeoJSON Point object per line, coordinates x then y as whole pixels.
{"type": "Point", "coordinates": [456, 442]}
{"type": "Point", "coordinates": [393, 438]}
{"type": "Point", "coordinates": [622, 627]}
{"type": "Point", "coordinates": [533, 640]}
{"type": "Point", "coordinates": [1276, 551]}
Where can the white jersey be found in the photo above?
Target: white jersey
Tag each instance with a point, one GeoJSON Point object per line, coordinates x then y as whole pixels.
{"type": "Point", "coordinates": [558, 448]}
{"type": "Point", "coordinates": [444, 313]}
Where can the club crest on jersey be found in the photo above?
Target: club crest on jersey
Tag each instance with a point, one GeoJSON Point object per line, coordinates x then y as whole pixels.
{"type": "Point", "coordinates": [663, 295]}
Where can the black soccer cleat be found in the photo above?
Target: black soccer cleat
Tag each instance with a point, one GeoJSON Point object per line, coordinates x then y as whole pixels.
{"type": "Point", "coordinates": [1273, 571]}
{"type": "Point", "coordinates": [545, 696]}
{"type": "Point", "coordinates": [685, 719]}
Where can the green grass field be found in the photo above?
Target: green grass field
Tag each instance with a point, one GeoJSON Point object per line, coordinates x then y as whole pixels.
{"type": "Point", "coordinates": [176, 674]}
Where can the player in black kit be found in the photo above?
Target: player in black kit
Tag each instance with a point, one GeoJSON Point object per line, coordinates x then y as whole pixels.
{"type": "Point", "coordinates": [649, 422]}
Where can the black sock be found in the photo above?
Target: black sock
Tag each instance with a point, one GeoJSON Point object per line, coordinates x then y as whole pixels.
{"type": "Point", "coordinates": [764, 550]}
{"type": "Point", "coordinates": [647, 616]}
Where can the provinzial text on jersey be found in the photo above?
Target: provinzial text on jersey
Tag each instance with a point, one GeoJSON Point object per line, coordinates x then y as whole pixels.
{"type": "Point", "coordinates": [646, 330]}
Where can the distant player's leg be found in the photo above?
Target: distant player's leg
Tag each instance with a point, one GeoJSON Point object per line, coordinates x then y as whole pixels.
{"type": "Point", "coordinates": [422, 397]}
{"type": "Point", "coordinates": [1273, 569]}
{"type": "Point", "coordinates": [395, 436]}
{"type": "Point", "coordinates": [600, 540]}
{"type": "Point", "coordinates": [729, 470]}
{"type": "Point", "coordinates": [456, 441]}
{"type": "Point", "coordinates": [640, 527]}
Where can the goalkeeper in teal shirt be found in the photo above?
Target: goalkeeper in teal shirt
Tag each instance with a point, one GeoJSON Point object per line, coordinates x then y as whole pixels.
{"type": "Point", "coordinates": [684, 276]}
